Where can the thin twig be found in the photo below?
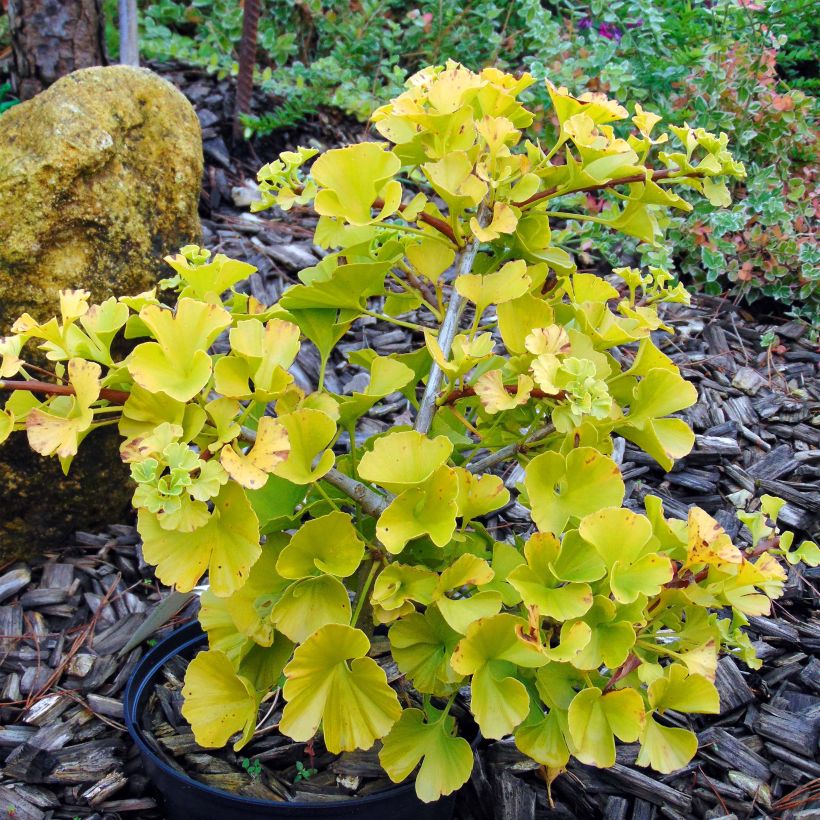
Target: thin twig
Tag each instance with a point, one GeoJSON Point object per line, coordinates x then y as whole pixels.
{"type": "Point", "coordinates": [510, 450]}
{"type": "Point", "coordinates": [449, 326]}
{"type": "Point", "coordinates": [372, 503]}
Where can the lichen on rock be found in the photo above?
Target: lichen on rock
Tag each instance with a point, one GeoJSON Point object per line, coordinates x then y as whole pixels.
{"type": "Point", "coordinates": [99, 179]}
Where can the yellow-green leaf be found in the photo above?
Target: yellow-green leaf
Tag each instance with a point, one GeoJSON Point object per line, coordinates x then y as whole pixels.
{"type": "Point", "coordinates": [218, 702]}
{"type": "Point", "coordinates": [446, 760]}
{"type": "Point", "coordinates": [226, 547]}
{"type": "Point", "coordinates": [331, 683]}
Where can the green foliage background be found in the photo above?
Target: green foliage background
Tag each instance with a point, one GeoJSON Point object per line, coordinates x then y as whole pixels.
{"type": "Point", "coordinates": [742, 66]}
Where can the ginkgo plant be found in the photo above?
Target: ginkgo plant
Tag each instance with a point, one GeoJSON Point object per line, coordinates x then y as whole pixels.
{"type": "Point", "coordinates": [585, 625]}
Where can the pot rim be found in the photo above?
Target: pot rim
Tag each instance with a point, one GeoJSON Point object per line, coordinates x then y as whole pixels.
{"type": "Point", "coordinates": [136, 690]}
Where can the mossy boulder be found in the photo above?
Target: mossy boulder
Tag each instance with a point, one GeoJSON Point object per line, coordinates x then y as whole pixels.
{"type": "Point", "coordinates": [99, 179]}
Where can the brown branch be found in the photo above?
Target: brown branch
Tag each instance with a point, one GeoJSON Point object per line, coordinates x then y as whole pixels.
{"type": "Point", "coordinates": [466, 392]}
{"type": "Point", "coordinates": [114, 396]}
{"type": "Point", "coordinates": [653, 176]}
{"type": "Point", "coordinates": [434, 222]}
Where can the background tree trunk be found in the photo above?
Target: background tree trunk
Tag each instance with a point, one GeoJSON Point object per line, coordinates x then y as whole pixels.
{"type": "Point", "coordinates": [51, 38]}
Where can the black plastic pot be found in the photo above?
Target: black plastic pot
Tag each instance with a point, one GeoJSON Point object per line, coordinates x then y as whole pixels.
{"type": "Point", "coordinates": [188, 799]}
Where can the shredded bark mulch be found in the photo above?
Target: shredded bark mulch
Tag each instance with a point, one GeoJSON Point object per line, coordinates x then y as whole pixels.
{"type": "Point", "coordinates": [66, 618]}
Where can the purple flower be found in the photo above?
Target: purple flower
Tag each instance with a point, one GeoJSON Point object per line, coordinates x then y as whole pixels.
{"type": "Point", "coordinates": [637, 24]}
{"type": "Point", "coordinates": [584, 23]}
{"type": "Point", "coordinates": [610, 31]}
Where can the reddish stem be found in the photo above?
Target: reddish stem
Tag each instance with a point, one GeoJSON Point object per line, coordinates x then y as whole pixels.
{"type": "Point", "coordinates": [114, 396]}
{"type": "Point", "coordinates": [655, 175]}
{"type": "Point", "coordinates": [466, 392]}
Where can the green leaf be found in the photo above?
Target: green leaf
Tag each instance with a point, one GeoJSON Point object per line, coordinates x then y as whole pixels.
{"type": "Point", "coordinates": [540, 588]}
{"type": "Point", "coordinates": [666, 749]}
{"type": "Point", "coordinates": [679, 690]}
{"type": "Point", "coordinates": [542, 737]}
{"type": "Point", "coordinates": [563, 489]}
{"type": "Point", "coordinates": [398, 583]}
{"type": "Point", "coordinates": [446, 760]}
{"type": "Point", "coordinates": [325, 545]}
{"type": "Point", "coordinates": [352, 178]}
{"type": "Point", "coordinates": [227, 546]}
{"type": "Point", "coordinates": [276, 500]}
{"type": "Point", "coordinates": [490, 653]}
{"type": "Point", "coordinates": [309, 604]}
{"type": "Point", "coordinates": [506, 284]}
{"type": "Point", "coordinates": [331, 682]}
{"type": "Point", "coordinates": [595, 719]}
{"type": "Point", "coordinates": [479, 495]}
{"type": "Point", "coordinates": [626, 543]}
{"type": "Point", "coordinates": [309, 433]}
{"type": "Point", "coordinates": [422, 645]}
{"type": "Point", "coordinates": [218, 702]}
{"type": "Point", "coordinates": [178, 363]}
{"type": "Point", "coordinates": [402, 460]}
{"type": "Point", "coordinates": [519, 317]}
{"type": "Point", "coordinates": [610, 638]}
{"type": "Point", "coordinates": [428, 510]}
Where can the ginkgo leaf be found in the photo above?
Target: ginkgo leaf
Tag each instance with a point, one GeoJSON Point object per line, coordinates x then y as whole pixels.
{"type": "Point", "coordinates": [540, 588]}
{"type": "Point", "coordinates": [260, 354]}
{"type": "Point", "coordinates": [683, 692]}
{"type": "Point", "coordinates": [595, 719]}
{"type": "Point", "coordinates": [504, 220]}
{"type": "Point", "coordinates": [709, 543]}
{"type": "Point", "coordinates": [325, 545]}
{"type": "Point", "coordinates": [351, 179]}
{"type": "Point", "coordinates": [399, 583]}
{"type": "Point", "coordinates": [428, 510]}
{"type": "Point", "coordinates": [479, 495]}
{"type": "Point", "coordinates": [624, 539]}
{"type": "Point", "coordinates": [309, 433]}
{"type": "Point", "coordinates": [251, 469]}
{"type": "Point", "coordinates": [550, 339]}
{"type": "Point", "coordinates": [666, 749]}
{"type": "Point", "coordinates": [506, 284]}
{"type": "Point", "coordinates": [226, 546]}
{"type": "Point", "coordinates": [562, 489]}
{"type": "Point", "coordinates": [404, 459]}
{"type": "Point", "coordinates": [218, 702]}
{"type": "Point", "coordinates": [250, 606]}
{"type": "Point", "coordinates": [58, 427]}
{"type": "Point", "coordinates": [422, 645]}
{"type": "Point", "coordinates": [495, 398]}
{"type": "Point", "coordinates": [310, 604]}
{"type": "Point", "coordinates": [542, 738]}
{"type": "Point", "coordinates": [178, 363]}
{"type": "Point", "coordinates": [331, 683]}
{"type": "Point", "coordinates": [430, 257]}
{"type": "Point", "coordinates": [610, 638]}
{"type": "Point", "coordinates": [453, 180]}
{"type": "Point", "coordinates": [659, 393]}
{"type": "Point", "coordinates": [519, 317]}
{"type": "Point", "coordinates": [490, 652]}
{"type": "Point", "coordinates": [446, 760]}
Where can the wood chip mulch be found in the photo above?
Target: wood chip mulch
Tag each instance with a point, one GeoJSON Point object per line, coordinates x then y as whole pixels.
{"type": "Point", "coordinates": [65, 618]}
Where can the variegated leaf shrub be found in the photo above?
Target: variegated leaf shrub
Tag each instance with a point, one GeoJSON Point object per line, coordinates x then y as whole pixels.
{"type": "Point", "coordinates": [582, 628]}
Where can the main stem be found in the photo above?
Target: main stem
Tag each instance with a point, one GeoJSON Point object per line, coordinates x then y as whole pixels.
{"type": "Point", "coordinates": [449, 326]}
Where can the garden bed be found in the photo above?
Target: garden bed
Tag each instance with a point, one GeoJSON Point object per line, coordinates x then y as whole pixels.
{"type": "Point", "coordinates": [65, 619]}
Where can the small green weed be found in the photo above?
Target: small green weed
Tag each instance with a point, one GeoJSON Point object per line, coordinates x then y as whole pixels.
{"type": "Point", "coordinates": [303, 772]}
{"type": "Point", "coordinates": [252, 767]}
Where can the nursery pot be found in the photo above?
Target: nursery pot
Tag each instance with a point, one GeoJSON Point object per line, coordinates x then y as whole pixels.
{"type": "Point", "coordinates": [188, 799]}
